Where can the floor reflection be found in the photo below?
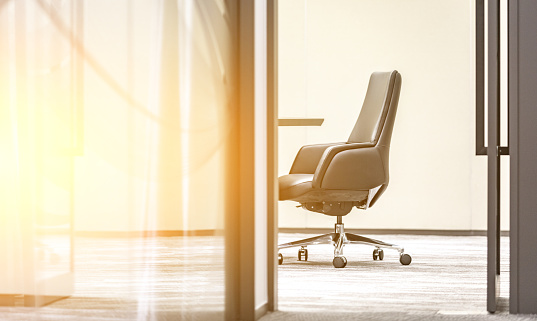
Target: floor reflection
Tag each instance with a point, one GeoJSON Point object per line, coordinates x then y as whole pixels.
{"type": "Point", "coordinates": [152, 278]}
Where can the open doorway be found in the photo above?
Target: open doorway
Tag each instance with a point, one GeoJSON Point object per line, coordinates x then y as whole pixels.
{"type": "Point", "coordinates": [435, 205]}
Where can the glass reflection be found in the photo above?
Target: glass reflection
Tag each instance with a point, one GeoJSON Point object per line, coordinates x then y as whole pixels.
{"type": "Point", "coordinates": [113, 120]}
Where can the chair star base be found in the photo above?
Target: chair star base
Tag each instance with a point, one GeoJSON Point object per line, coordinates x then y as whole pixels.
{"type": "Point", "coordinates": [339, 239]}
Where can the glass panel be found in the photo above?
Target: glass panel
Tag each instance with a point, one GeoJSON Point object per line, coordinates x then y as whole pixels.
{"type": "Point", "coordinates": [114, 127]}
{"type": "Point", "coordinates": [50, 95]}
{"type": "Point", "coordinates": [36, 134]}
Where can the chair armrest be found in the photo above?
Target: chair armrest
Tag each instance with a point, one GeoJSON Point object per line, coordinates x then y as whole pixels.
{"type": "Point", "coordinates": [350, 167]}
{"type": "Point", "coordinates": [308, 158]}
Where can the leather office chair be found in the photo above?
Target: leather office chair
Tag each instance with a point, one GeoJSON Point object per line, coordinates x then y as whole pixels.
{"type": "Point", "coordinates": [331, 179]}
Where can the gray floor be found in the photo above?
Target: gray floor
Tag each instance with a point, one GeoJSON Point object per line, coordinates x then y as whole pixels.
{"type": "Point", "coordinates": [445, 281]}
{"type": "Point", "coordinates": [181, 278]}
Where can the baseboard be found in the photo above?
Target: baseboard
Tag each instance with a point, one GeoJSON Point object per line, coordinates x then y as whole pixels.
{"type": "Point", "coordinates": [169, 233]}
{"type": "Point", "coordinates": [392, 231]}
{"type": "Point", "coordinates": [261, 311]}
{"type": "Point", "coordinates": [132, 234]}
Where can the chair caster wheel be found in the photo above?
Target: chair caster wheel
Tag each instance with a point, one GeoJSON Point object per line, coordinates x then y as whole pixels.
{"type": "Point", "coordinates": [303, 253]}
{"type": "Point", "coordinates": [405, 259]}
{"type": "Point", "coordinates": [280, 259]}
{"type": "Point", "coordinates": [378, 254]}
{"type": "Point", "coordinates": [339, 262]}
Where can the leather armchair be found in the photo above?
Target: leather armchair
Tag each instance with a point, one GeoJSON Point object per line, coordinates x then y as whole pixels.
{"type": "Point", "coordinates": [333, 178]}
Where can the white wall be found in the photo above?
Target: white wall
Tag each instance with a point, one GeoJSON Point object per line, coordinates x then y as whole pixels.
{"type": "Point", "coordinates": [327, 52]}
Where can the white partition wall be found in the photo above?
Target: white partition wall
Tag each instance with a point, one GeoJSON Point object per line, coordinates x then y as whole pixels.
{"type": "Point", "coordinates": [326, 55]}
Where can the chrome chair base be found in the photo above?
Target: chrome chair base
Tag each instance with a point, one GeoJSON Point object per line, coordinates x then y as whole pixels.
{"type": "Point", "coordinates": [339, 238]}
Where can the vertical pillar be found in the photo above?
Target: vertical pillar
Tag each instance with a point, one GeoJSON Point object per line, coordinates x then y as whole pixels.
{"type": "Point", "coordinates": [246, 222]}
{"type": "Point", "coordinates": [523, 151]}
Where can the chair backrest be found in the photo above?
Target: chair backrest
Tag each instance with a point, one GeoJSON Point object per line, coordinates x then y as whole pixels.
{"type": "Point", "coordinates": [381, 91]}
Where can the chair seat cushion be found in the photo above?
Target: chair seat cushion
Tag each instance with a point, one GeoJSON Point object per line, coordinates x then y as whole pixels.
{"type": "Point", "coordinates": [298, 187]}
{"type": "Point", "coordinates": [293, 185]}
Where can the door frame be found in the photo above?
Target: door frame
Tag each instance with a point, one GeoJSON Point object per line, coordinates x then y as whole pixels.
{"type": "Point", "coordinates": [272, 153]}
{"type": "Point", "coordinates": [493, 151]}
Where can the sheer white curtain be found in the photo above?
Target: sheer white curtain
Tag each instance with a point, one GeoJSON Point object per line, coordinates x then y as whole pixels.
{"type": "Point", "coordinates": [114, 124]}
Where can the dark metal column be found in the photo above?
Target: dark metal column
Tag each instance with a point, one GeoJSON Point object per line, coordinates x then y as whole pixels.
{"type": "Point", "coordinates": [493, 152]}
{"type": "Point", "coordinates": [480, 147]}
{"type": "Point", "coordinates": [272, 153]}
{"type": "Point", "coordinates": [523, 154]}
